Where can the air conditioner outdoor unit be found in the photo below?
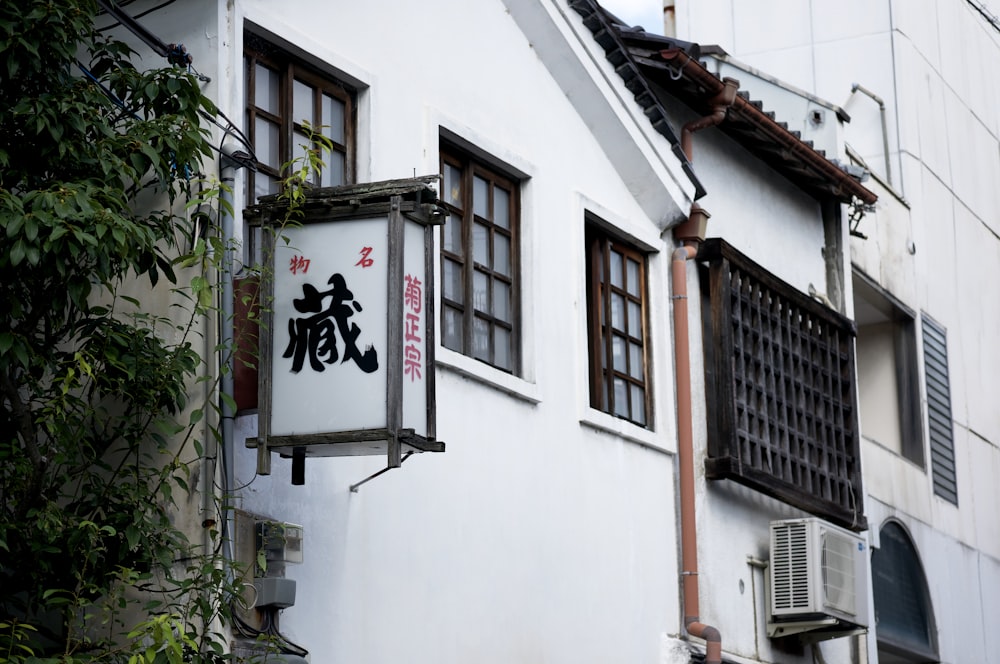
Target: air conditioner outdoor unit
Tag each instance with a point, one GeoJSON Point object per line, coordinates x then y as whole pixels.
{"type": "Point", "coordinates": [818, 580]}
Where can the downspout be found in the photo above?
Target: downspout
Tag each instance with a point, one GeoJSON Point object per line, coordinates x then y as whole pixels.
{"type": "Point", "coordinates": [720, 103]}
{"type": "Point", "coordinates": [689, 235]}
{"type": "Point", "coordinates": [229, 161]}
{"type": "Point", "coordinates": [685, 435]}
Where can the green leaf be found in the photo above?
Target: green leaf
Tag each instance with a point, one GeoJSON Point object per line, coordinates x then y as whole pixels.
{"type": "Point", "coordinates": [132, 536]}
{"type": "Point", "coordinates": [17, 253]}
{"type": "Point", "coordinates": [14, 225]}
{"type": "Point", "coordinates": [229, 401]}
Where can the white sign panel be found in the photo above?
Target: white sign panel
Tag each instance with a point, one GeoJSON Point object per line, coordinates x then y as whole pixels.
{"type": "Point", "coordinates": [329, 355]}
{"type": "Point", "coordinates": [415, 293]}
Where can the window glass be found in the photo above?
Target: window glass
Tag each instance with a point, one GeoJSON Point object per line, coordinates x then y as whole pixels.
{"type": "Point", "coordinates": [479, 246]}
{"type": "Point", "coordinates": [333, 118]}
{"type": "Point", "coordinates": [903, 613]}
{"type": "Point", "coordinates": [267, 147]}
{"type": "Point", "coordinates": [333, 170]}
{"type": "Point", "coordinates": [283, 91]}
{"type": "Point", "coordinates": [302, 103]}
{"type": "Point", "coordinates": [453, 186]}
{"type": "Point", "coordinates": [501, 208]}
{"type": "Point", "coordinates": [267, 89]}
{"type": "Point", "coordinates": [616, 290]}
{"type": "Point", "coordinates": [451, 234]}
{"type": "Point", "coordinates": [480, 197]}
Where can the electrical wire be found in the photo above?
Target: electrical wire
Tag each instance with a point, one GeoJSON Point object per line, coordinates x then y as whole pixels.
{"type": "Point", "coordinates": [229, 129]}
{"type": "Point", "coordinates": [135, 28]}
{"type": "Point", "coordinates": [269, 631]}
{"type": "Point", "coordinates": [139, 15]}
{"type": "Point", "coordinates": [984, 11]}
{"type": "Point", "coordinates": [284, 644]}
{"type": "Point", "coordinates": [106, 90]}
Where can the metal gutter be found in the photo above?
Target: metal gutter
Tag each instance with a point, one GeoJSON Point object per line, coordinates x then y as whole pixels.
{"type": "Point", "coordinates": [843, 185]}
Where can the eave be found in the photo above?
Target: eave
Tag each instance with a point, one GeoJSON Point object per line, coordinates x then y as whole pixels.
{"type": "Point", "coordinates": [651, 65]}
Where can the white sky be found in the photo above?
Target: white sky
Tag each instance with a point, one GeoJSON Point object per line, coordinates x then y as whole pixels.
{"type": "Point", "coordinates": [647, 13]}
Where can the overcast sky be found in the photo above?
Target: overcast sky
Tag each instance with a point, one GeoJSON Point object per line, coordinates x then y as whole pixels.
{"type": "Point", "coordinates": [647, 13]}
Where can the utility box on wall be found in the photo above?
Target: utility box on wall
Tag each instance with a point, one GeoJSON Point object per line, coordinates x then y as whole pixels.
{"type": "Point", "coordinates": [347, 344]}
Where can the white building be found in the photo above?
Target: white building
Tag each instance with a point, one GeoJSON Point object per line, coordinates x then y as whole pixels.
{"type": "Point", "coordinates": [912, 77]}
{"type": "Point", "coordinates": [552, 528]}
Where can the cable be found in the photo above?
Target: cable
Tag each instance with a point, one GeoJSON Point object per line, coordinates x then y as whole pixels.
{"type": "Point", "coordinates": [135, 28]}
{"type": "Point", "coordinates": [982, 9]}
{"type": "Point", "coordinates": [284, 644]}
{"type": "Point", "coordinates": [176, 54]}
{"type": "Point", "coordinates": [139, 15]}
{"type": "Point", "coordinates": [106, 90]}
{"type": "Point", "coordinates": [230, 129]}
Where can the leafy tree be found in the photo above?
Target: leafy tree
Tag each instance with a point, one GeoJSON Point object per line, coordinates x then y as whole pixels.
{"type": "Point", "coordinates": [97, 162]}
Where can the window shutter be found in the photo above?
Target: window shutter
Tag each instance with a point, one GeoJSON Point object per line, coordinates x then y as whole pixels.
{"type": "Point", "coordinates": [939, 410]}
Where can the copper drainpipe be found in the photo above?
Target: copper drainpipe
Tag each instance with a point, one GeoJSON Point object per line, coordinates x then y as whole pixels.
{"type": "Point", "coordinates": [690, 234]}
{"type": "Point", "coordinates": [705, 80]}
{"type": "Point", "coordinates": [685, 436]}
{"type": "Point", "coordinates": [720, 103]}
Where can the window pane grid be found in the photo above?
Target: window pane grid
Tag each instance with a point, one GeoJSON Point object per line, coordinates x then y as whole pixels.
{"type": "Point", "coordinates": [616, 286]}
{"type": "Point", "coordinates": [284, 92]}
{"type": "Point", "coordinates": [478, 241]}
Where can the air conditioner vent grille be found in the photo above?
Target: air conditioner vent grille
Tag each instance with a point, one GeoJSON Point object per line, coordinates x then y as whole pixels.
{"type": "Point", "coordinates": [789, 560]}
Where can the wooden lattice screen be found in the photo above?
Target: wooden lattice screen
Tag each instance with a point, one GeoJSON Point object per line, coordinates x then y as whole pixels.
{"type": "Point", "coordinates": [780, 385]}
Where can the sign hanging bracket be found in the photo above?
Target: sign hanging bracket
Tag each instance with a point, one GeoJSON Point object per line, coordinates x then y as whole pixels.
{"type": "Point", "coordinates": [354, 487]}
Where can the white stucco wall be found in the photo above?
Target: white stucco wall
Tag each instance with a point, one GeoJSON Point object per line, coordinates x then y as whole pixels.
{"type": "Point", "coordinates": [756, 209]}
{"type": "Point", "coordinates": [546, 531]}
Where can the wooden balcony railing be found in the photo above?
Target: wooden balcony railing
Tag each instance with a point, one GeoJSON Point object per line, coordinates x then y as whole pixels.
{"type": "Point", "coordinates": [781, 386]}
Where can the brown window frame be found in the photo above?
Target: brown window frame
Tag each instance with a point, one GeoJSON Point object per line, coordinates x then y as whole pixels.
{"type": "Point", "coordinates": [462, 256]}
{"type": "Point", "coordinates": [602, 331]}
{"type": "Point", "coordinates": [289, 68]}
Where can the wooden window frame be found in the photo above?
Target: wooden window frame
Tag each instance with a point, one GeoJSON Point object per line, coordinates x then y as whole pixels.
{"type": "Point", "coordinates": [258, 50]}
{"type": "Point", "coordinates": [471, 167]}
{"type": "Point", "coordinates": [601, 331]}
{"type": "Point", "coordinates": [780, 386]}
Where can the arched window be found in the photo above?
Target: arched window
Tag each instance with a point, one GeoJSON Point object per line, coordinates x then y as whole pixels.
{"type": "Point", "coordinates": [903, 612]}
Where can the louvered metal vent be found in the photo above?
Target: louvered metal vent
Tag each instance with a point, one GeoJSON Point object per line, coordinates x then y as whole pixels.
{"type": "Point", "coordinates": [939, 410]}
{"type": "Point", "coordinates": [789, 566]}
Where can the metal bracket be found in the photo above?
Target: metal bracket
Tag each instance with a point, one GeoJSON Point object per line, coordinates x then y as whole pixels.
{"type": "Point", "coordinates": [354, 487]}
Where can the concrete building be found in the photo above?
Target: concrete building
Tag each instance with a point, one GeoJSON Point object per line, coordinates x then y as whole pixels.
{"type": "Point", "coordinates": [924, 123]}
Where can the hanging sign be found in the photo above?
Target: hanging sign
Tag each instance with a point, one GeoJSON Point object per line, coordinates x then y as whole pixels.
{"type": "Point", "coordinates": [347, 350]}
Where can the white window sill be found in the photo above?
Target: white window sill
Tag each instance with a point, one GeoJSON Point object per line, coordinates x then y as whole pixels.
{"type": "Point", "coordinates": [633, 433]}
{"type": "Point", "coordinates": [483, 373]}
